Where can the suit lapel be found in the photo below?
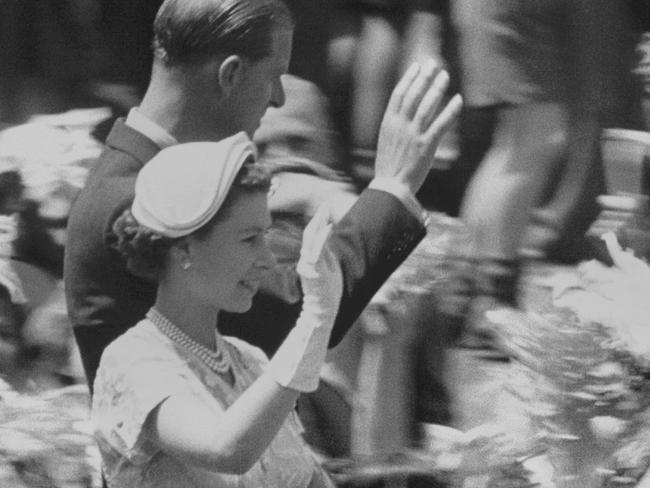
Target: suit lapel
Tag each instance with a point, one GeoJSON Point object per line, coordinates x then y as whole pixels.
{"type": "Point", "coordinates": [128, 140]}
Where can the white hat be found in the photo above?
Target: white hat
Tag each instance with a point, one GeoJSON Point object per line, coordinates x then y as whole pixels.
{"type": "Point", "coordinates": [184, 185]}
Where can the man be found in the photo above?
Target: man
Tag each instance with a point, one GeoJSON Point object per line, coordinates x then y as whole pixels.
{"type": "Point", "coordinates": [217, 67]}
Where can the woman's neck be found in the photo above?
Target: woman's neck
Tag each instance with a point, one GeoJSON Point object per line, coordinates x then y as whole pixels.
{"type": "Point", "coordinates": [199, 322]}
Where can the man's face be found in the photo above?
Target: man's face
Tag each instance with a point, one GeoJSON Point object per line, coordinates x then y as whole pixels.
{"type": "Point", "coordinates": [260, 86]}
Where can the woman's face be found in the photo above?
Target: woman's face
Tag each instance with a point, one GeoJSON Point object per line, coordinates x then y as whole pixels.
{"type": "Point", "coordinates": [228, 263]}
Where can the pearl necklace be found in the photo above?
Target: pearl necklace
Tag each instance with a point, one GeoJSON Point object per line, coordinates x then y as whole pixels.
{"type": "Point", "coordinates": [218, 361]}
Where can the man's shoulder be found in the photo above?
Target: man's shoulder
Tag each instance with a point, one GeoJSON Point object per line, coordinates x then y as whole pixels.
{"type": "Point", "coordinates": [111, 164]}
{"type": "Point", "coordinates": [108, 190]}
{"type": "Point", "coordinates": [125, 152]}
{"type": "Point", "coordinates": [111, 180]}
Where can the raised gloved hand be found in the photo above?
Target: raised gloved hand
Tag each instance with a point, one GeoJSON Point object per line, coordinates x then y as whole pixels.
{"type": "Point", "coordinates": [298, 361]}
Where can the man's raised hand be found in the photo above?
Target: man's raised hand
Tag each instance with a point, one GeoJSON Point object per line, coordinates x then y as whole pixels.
{"type": "Point", "coordinates": [413, 125]}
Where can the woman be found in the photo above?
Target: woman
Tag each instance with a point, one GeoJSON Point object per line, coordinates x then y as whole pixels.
{"type": "Point", "coordinates": [175, 403]}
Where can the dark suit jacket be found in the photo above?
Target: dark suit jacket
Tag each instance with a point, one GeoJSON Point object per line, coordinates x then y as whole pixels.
{"type": "Point", "coordinates": [104, 300]}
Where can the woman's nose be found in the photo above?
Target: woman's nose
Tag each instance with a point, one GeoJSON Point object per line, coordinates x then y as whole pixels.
{"type": "Point", "coordinates": [267, 258]}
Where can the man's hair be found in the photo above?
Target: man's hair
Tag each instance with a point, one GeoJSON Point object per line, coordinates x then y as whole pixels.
{"type": "Point", "coordinates": [188, 31]}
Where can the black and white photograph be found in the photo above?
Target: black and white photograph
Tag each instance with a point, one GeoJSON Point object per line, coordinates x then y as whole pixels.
{"type": "Point", "coordinates": [324, 243]}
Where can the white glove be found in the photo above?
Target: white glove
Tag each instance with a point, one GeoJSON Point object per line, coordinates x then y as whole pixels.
{"type": "Point", "coordinates": [298, 361]}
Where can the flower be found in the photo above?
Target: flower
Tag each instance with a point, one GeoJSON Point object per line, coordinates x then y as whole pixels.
{"type": "Point", "coordinates": [46, 439]}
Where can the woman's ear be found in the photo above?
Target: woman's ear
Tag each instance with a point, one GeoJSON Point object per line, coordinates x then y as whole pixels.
{"type": "Point", "coordinates": [230, 73]}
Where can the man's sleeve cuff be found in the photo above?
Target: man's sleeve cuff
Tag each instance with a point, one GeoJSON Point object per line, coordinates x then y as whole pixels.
{"type": "Point", "coordinates": [402, 193]}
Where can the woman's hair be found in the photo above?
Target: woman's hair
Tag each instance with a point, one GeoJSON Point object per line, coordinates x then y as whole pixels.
{"type": "Point", "coordinates": [193, 31]}
{"type": "Point", "coordinates": [145, 250]}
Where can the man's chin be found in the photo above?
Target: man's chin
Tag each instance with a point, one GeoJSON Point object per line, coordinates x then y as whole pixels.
{"type": "Point", "coordinates": [240, 306]}
{"type": "Point", "coordinates": [251, 131]}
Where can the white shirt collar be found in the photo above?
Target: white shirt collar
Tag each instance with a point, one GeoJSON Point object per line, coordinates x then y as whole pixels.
{"type": "Point", "coordinates": [149, 128]}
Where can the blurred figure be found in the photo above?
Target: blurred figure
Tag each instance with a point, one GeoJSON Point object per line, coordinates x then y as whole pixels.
{"type": "Point", "coordinates": [541, 76]}
{"type": "Point", "coordinates": [8, 56]}
{"type": "Point", "coordinates": [125, 35]}
{"type": "Point", "coordinates": [301, 135]}
{"type": "Point", "coordinates": [13, 350]}
{"type": "Point", "coordinates": [36, 337]}
{"type": "Point", "coordinates": [47, 58]}
{"type": "Point", "coordinates": [310, 37]}
{"type": "Point", "coordinates": [643, 73]}
{"type": "Point", "coordinates": [12, 345]}
{"type": "Point", "coordinates": [640, 15]}
{"type": "Point", "coordinates": [601, 94]}
{"type": "Point", "coordinates": [371, 43]}
{"type": "Point", "coordinates": [32, 242]}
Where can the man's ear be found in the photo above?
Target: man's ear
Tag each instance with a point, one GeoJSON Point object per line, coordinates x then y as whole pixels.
{"type": "Point", "coordinates": [180, 253]}
{"type": "Point", "coordinates": [230, 73]}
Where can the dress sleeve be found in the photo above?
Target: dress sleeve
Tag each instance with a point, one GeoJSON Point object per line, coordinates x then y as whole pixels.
{"type": "Point", "coordinates": [127, 390]}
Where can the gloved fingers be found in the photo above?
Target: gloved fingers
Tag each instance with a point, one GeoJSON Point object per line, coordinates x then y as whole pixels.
{"type": "Point", "coordinates": [315, 235]}
{"type": "Point", "coordinates": [328, 261]}
{"type": "Point", "coordinates": [315, 255]}
{"type": "Point", "coordinates": [318, 266]}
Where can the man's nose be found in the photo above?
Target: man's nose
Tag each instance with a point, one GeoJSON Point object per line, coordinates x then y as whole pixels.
{"type": "Point", "coordinates": [267, 258]}
{"type": "Point", "coordinates": [277, 96]}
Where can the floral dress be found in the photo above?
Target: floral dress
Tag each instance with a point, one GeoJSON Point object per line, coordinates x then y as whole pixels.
{"type": "Point", "coordinates": [142, 368]}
